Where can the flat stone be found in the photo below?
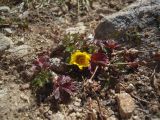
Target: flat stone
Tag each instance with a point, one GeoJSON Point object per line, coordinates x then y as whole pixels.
{"type": "Point", "coordinates": [20, 51]}
{"type": "Point", "coordinates": [4, 9]}
{"type": "Point", "coordinates": [24, 15]}
{"type": "Point", "coordinates": [8, 31]}
{"type": "Point", "coordinates": [126, 104]}
{"type": "Point", "coordinates": [5, 43]}
{"type": "Point", "coordinates": [79, 28]}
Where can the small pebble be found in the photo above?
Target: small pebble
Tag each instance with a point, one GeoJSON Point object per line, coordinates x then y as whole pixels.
{"type": "Point", "coordinates": [24, 97]}
{"type": "Point", "coordinates": [73, 114]}
{"type": "Point", "coordinates": [8, 31]}
{"type": "Point", "coordinates": [24, 86]}
{"type": "Point", "coordinates": [112, 118]}
{"type": "Point", "coordinates": [130, 87]}
{"type": "Point", "coordinates": [77, 104]}
{"type": "Point", "coordinates": [71, 107]}
{"type": "Point", "coordinates": [149, 89]}
{"type": "Point", "coordinates": [126, 105]}
{"type": "Point", "coordinates": [78, 115]}
{"type": "Point", "coordinates": [77, 99]}
{"type": "Point", "coordinates": [136, 118]}
{"type": "Point", "coordinates": [79, 110]}
{"type": "Point", "coordinates": [1, 82]}
{"type": "Point", "coordinates": [50, 112]}
{"type": "Point", "coordinates": [112, 92]}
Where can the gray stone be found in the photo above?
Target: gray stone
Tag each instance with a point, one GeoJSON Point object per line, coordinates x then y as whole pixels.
{"type": "Point", "coordinates": [130, 87]}
{"type": "Point", "coordinates": [5, 43]}
{"type": "Point", "coordinates": [126, 104]}
{"type": "Point", "coordinates": [4, 9]}
{"type": "Point", "coordinates": [79, 28]}
{"type": "Point", "coordinates": [24, 15]}
{"type": "Point", "coordinates": [20, 51]}
{"type": "Point", "coordinates": [8, 31]}
{"type": "Point", "coordinates": [140, 13]}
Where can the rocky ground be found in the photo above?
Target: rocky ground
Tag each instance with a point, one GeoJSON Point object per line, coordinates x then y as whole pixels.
{"type": "Point", "coordinates": [28, 28]}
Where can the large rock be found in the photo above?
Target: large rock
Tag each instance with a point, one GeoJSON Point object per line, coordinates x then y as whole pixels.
{"type": "Point", "coordinates": [126, 105]}
{"type": "Point", "coordinates": [141, 13]}
{"type": "Point", "coordinates": [5, 43]}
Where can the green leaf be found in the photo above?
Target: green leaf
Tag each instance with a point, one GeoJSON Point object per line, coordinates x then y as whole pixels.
{"type": "Point", "coordinates": [69, 49]}
{"type": "Point", "coordinates": [41, 79]}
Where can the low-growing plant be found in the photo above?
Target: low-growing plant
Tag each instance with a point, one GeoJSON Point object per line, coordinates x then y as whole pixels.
{"type": "Point", "coordinates": [41, 79]}
{"type": "Point", "coordinates": [63, 84]}
{"type": "Point", "coordinates": [98, 64]}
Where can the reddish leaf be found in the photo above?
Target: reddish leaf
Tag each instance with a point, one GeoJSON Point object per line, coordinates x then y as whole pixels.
{"type": "Point", "coordinates": [133, 65]}
{"type": "Point", "coordinates": [111, 44]}
{"type": "Point", "coordinates": [42, 62]}
{"type": "Point", "coordinates": [63, 84]}
{"type": "Point", "coordinates": [156, 56]}
{"type": "Point", "coordinates": [99, 58]}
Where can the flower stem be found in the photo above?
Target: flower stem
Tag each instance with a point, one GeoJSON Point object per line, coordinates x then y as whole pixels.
{"type": "Point", "coordinates": [94, 73]}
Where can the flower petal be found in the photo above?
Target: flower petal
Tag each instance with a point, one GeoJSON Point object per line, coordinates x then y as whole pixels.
{"type": "Point", "coordinates": [81, 59]}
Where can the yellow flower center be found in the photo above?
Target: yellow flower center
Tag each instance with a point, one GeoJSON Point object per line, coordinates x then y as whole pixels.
{"type": "Point", "coordinates": [81, 59]}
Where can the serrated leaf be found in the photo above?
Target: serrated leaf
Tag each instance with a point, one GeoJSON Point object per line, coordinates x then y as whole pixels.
{"type": "Point", "coordinates": [41, 79]}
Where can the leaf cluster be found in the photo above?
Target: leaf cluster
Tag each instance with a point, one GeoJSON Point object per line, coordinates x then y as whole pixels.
{"type": "Point", "coordinates": [109, 60]}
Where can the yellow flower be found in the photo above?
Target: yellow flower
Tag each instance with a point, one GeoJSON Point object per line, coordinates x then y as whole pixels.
{"type": "Point", "coordinates": [81, 59]}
